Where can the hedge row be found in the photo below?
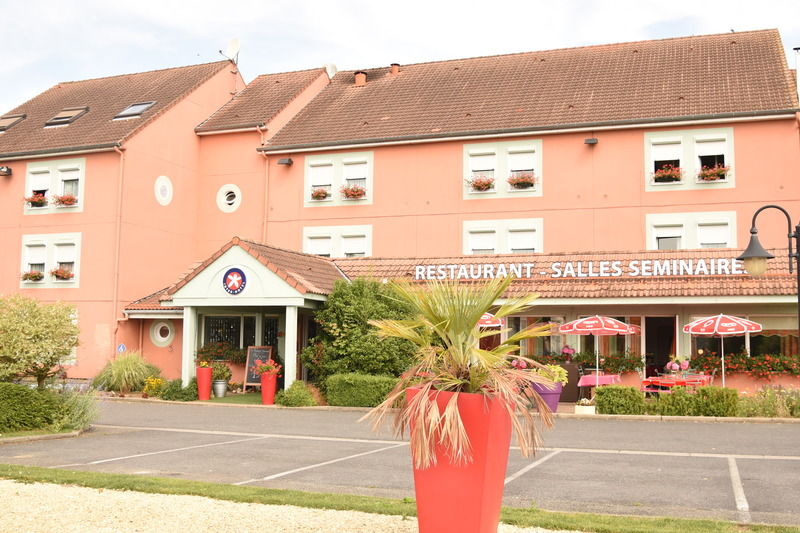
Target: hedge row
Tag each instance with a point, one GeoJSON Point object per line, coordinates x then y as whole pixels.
{"type": "Point", "coordinates": [705, 401]}
{"type": "Point", "coordinates": [23, 408]}
{"type": "Point", "coordinates": [358, 390]}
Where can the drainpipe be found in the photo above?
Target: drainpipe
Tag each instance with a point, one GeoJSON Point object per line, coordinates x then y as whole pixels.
{"type": "Point", "coordinates": [266, 186]}
{"type": "Point", "coordinates": [117, 245]}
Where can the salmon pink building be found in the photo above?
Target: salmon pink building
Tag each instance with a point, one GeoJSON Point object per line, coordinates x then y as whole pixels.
{"type": "Point", "coordinates": [616, 179]}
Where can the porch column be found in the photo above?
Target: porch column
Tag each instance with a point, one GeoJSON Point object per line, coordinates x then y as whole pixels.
{"type": "Point", "coordinates": [290, 347]}
{"type": "Point", "coordinates": [189, 344]}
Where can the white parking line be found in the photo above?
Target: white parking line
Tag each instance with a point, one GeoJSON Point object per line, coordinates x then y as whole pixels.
{"type": "Point", "coordinates": [159, 452]}
{"type": "Point", "coordinates": [317, 465]}
{"type": "Point", "coordinates": [674, 454]}
{"type": "Point", "coordinates": [531, 466]}
{"type": "Point", "coordinates": [738, 491]}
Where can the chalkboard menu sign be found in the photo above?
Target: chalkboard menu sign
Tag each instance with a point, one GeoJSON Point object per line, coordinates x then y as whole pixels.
{"type": "Point", "coordinates": [262, 353]}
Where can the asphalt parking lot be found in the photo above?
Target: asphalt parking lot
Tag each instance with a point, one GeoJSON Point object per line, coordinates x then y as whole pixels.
{"type": "Point", "coordinates": [735, 471]}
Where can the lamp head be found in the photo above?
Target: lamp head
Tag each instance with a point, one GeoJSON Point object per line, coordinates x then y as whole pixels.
{"type": "Point", "coordinates": [755, 256]}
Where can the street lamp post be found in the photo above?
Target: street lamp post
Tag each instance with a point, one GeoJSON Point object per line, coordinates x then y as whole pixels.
{"type": "Point", "coordinates": [755, 256]}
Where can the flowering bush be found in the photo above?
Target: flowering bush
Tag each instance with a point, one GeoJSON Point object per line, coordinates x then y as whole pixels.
{"type": "Point", "coordinates": [522, 180]}
{"type": "Point", "coordinates": [203, 364]}
{"type": "Point", "coordinates": [758, 366]}
{"type": "Point", "coordinates": [65, 199]}
{"type": "Point", "coordinates": [668, 173]}
{"type": "Point", "coordinates": [354, 192]}
{"type": "Point", "coordinates": [717, 172]}
{"type": "Point", "coordinates": [615, 363]}
{"type": "Point", "coordinates": [32, 275]}
{"type": "Point", "coordinates": [220, 351]}
{"type": "Point", "coordinates": [266, 367]}
{"type": "Point", "coordinates": [62, 273]}
{"type": "Point", "coordinates": [37, 200]}
{"type": "Point", "coordinates": [154, 386]}
{"type": "Point", "coordinates": [481, 183]}
{"type": "Point", "coordinates": [319, 194]}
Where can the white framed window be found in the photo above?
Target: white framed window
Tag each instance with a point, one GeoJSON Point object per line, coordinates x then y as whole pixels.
{"type": "Point", "coordinates": [60, 182]}
{"type": "Point", "coordinates": [520, 236]}
{"type": "Point", "coordinates": [685, 231]}
{"type": "Point", "coordinates": [691, 151]}
{"type": "Point", "coordinates": [56, 256]}
{"type": "Point", "coordinates": [338, 179]}
{"type": "Point", "coordinates": [338, 241]}
{"type": "Point", "coordinates": [502, 169]}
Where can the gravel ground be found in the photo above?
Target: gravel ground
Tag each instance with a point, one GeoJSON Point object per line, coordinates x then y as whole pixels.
{"type": "Point", "coordinates": [39, 507]}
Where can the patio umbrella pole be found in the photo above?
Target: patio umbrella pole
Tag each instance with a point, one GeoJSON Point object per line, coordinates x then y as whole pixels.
{"type": "Point", "coordinates": [596, 362]}
{"type": "Point", "coordinates": [722, 347]}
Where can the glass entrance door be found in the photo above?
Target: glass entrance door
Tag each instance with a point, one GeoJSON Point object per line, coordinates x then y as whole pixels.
{"type": "Point", "coordinates": [659, 341]}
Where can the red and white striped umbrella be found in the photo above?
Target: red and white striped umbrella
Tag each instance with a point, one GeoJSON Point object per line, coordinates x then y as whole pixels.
{"type": "Point", "coordinates": [721, 326]}
{"type": "Point", "coordinates": [598, 325]}
{"type": "Point", "coordinates": [488, 320]}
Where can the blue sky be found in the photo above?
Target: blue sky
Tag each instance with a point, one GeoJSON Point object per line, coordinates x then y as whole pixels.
{"type": "Point", "coordinates": [53, 41]}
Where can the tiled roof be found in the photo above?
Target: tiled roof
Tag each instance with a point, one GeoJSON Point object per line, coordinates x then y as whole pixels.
{"type": "Point", "coordinates": [105, 97]}
{"type": "Point", "coordinates": [647, 81]}
{"type": "Point", "coordinates": [308, 274]}
{"type": "Point", "coordinates": [260, 101]}
{"type": "Point", "coordinates": [777, 280]}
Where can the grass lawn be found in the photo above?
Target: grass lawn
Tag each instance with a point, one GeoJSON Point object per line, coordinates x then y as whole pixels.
{"type": "Point", "coordinates": [32, 433]}
{"type": "Point", "coordinates": [404, 507]}
{"type": "Point", "coordinates": [246, 398]}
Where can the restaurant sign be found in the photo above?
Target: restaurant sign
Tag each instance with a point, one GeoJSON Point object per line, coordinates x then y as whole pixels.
{"type": "Point", "coordinates": [582, 269]}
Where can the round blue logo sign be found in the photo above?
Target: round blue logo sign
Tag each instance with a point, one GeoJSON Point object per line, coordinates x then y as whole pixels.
{"type": "Point", "coordinates": [234, 281]}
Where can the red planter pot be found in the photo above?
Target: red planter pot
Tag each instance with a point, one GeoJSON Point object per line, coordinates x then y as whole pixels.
{"type": "Point", "coordinates": [203, 383]}
{"type": "Point", "coordinates": [268, 382]}
{"type": "Point", "coordinates": [466, 498]}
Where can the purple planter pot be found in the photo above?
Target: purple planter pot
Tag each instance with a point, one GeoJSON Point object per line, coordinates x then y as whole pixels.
{"type": "Point", "coordinates": [550, 396]}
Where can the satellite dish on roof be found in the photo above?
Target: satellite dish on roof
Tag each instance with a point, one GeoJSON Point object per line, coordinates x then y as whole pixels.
{"type": "Point", "coordinates": [232, 50]}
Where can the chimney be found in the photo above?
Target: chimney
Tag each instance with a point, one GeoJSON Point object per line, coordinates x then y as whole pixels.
{"type": "Point", "coordinates": [395, 69]}
{"type": "Point", "coordinates": [361, 78]}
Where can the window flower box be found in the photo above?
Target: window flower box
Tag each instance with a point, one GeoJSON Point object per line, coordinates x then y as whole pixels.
{"type": "Point", "coordinates": [481, 184]}
{"type": "Point", "coordinates": [354, 192]}
{"type": "Point", "coordinates": [319, 194]}
{"type": "Point", "coordinates": [522, 181]}
{"type": "Point", "coordinates": [668, 174]}
{"type": "Point", "coordinates": [715, 173]}
{"type": "Point", "coordinates": [65, 200]}
{"type": "Point", "coordinates": [62, 274]}
{"type": "Point", "coordinates": [37, 200]}
{"type": "Point", "coordinates": [32, 275]}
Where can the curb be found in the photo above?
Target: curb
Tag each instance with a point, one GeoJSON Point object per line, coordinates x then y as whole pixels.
{"type": "Point", "coordinates": [48, 436]}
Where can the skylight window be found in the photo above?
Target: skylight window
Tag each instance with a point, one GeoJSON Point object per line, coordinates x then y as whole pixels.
{"type": "Point", "coordinates": [134, 110]}
{"type": "Point", "coordinates": [67, 116]}
{"type": "Point", "coordinates": [9, 120]}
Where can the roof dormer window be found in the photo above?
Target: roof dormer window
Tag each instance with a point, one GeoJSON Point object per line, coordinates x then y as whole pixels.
{"type": "Point", "coordinates": [134, 110]}
{"type": "Point", "coordinates": [67, 116]}
{"type": "Point", "coordinates": [9, 120]}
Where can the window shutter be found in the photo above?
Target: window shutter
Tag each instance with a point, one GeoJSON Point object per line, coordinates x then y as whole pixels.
{"type": "Point", "coordinates": [522, 241]}
{"type": "Point", "coordinates": [319, 246]}
{"type": "Point", "coordinates": [354, 245]}
{"type": "Point", "coordinates": [521, 161]}
{"type": "Point", "coordinates": [483, 242]}
{"type": "Point", "coordinates": [40, 181]}
{"type": "Point", "coordinates": [66, 253]}
{"type": "Point", "coordinates": [321, 175]}
{"type": "Point", "coordinates": [479, 162]}
{"type": "Point", "coordinates": [666, 151]}
{"type": "Point", "coordinates": [710, 147]}
{"type": "Point", "coordinates": [36, 254]}
{"type": "Point", "coordinates": [355, 171]}
{"type": "Point", "coordinates": [713, 235]}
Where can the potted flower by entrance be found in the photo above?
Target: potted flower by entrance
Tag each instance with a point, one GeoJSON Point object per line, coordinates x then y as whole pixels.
{"type": "Point", "coordinates": [269, 371]}
{"type": "Point", "coordinates": [220, 375]}
{"type": "Point", "coordinates": [523, 180]}
{"type": "Point", "coordinates": [667, 174]}
{"type": "Point", "coordinates": [203, 380]}
{"type": "Point", "coordinates": [551, 392]}
{"type": "Point", "coordinates": [585, 406]}
{"type": "Point", "coordinates": [460, 402]}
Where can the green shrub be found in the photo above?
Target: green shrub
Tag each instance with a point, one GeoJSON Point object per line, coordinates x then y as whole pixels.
{"type": "Point", "coordinates": [679, 402]}
{"type": "Point", "coordinates": [220, 371]}
{"type": "Point", "coordinates": [125, 373]}
{"type": "Point", "coordinates": [297, 395]}
{"type": "Point", "coordinates": [174, 391]}
{"type": "Point", "coordinates": [346, 342]}
{"type": "Point", "coordinates": [358, 390]}
{"type": "Point", "coordinates": [617, 400]}
{"type": "Point", "coordinates": [78, 411]}
{"type": "Point", "coordinates": [716, 401]}
{"type": "Point", "coordinates": [22, 408]}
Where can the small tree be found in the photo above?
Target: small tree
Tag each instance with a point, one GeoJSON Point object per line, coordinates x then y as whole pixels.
{"type": "Point", "coordinates": [35, 338]}
{"type": "Point", "coordinates": [346, 343]}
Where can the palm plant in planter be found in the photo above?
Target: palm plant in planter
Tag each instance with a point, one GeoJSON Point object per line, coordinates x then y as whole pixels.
{"type": "Point", "coordinates": [460, 402]}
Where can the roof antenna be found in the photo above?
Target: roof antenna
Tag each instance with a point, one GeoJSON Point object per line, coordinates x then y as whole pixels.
{"type": "Point", "coordinates": [232, 51]}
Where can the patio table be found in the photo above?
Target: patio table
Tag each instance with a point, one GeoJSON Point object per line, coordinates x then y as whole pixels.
{"type": "Point", "coordinates": [657, 383]}
{"type": "Point", "coordinates": [603, 379]}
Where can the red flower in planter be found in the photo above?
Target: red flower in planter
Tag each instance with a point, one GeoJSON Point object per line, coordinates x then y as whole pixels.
{"type": "Point", "coordinates": [266, 367]}
{"type": "Point", "coordinates": [37, 200]}
{"type": "Point", "coordinates": [354, 192]}
{"type": "Point", "coordinates": [65, 200]}
{"type": "Point", "coordinates": [62, 273]}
